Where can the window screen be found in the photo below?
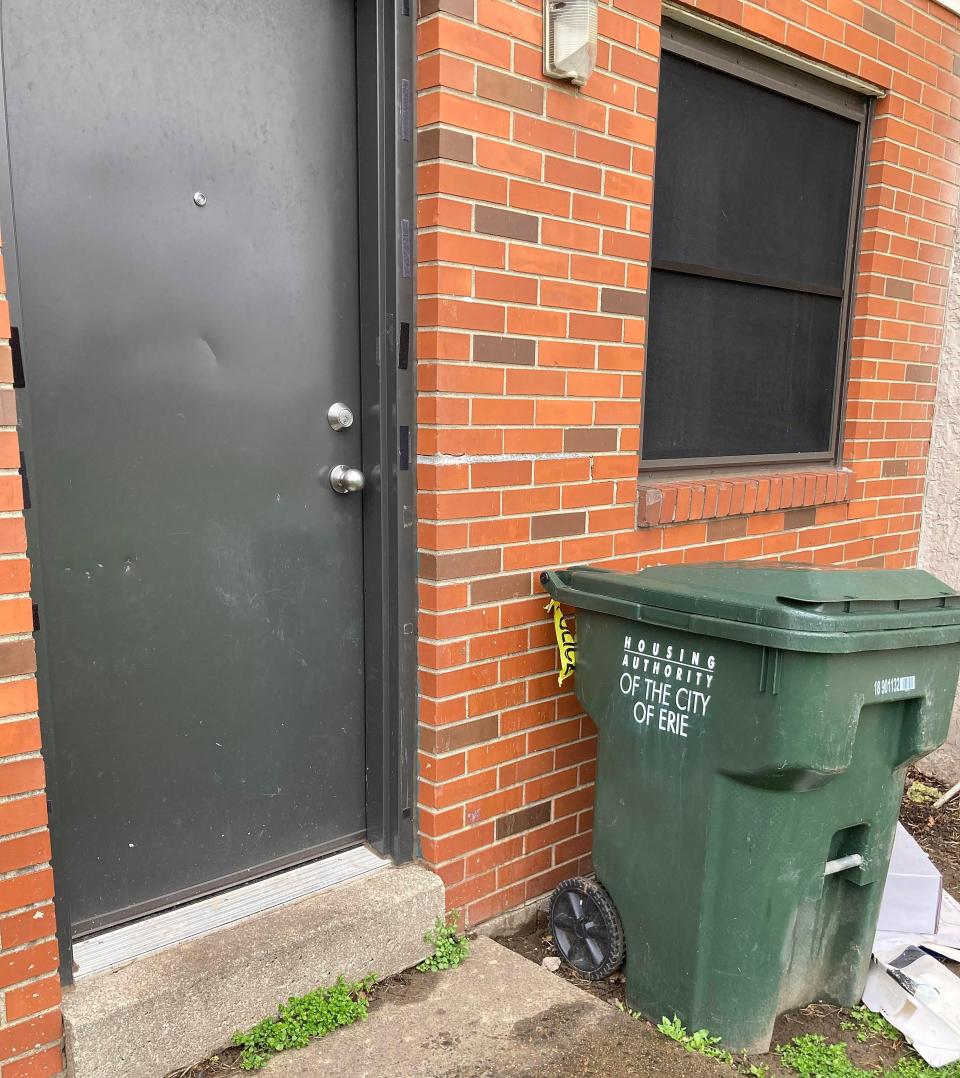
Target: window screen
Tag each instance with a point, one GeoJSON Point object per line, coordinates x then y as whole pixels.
{"type": "Point", "coordinates": [752, 204]}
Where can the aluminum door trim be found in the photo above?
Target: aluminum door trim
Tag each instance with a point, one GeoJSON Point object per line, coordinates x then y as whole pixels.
{"type": "Point", "coordinates": [152, 934]}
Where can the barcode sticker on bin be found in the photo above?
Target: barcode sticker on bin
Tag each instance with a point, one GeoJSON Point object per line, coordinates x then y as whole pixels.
{"type": "Point", "coordinates": [886, 686]}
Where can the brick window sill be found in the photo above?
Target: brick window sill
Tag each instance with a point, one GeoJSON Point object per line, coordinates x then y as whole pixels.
{"type": "Point", "coordinates": [675, 500]}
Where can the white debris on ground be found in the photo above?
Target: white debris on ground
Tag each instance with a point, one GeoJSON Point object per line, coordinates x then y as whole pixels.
{"type": "Point", "coordinates": [913, 891]}
{"type": "Point", "coordinates": [906, 984]}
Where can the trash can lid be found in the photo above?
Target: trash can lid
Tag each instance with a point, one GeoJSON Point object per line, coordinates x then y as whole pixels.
{"type": "Point", "coordinates": [780, 595]}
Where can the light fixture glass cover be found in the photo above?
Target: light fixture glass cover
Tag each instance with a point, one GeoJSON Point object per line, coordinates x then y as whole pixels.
{"type": "Point", "coordinates": [570, 39]}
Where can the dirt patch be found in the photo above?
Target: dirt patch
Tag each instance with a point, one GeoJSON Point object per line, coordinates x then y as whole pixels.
{"type": "Point", "coordinates": [937, 832]}
{"type": "Point", "coordinates": [549, 1023]}
{"type": "Point", "coordinates": [536, 944]}
{"type": "Point", "coordinates": [615, 1047]}
{"type": "Point", "coordinates": [225, 1062]}
{"type": "Point", "coordinates": [827, 1020]}
{"type": "Point", "coordinates": [405, 988]}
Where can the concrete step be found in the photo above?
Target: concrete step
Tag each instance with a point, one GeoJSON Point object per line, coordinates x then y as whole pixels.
{"type": "Point", "coordinates": [496, 1016]}
{"type": "Point", "coordinates": [176, 1006]}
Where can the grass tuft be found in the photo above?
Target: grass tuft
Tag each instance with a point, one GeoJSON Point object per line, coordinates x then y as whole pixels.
{"type": "Point", "coordinates": [449, 947]}
{"type": "Point", "coordinates": [303, 1019]}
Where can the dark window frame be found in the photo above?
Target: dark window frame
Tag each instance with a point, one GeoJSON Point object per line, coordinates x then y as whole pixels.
{"type": "Point", "coordinates": [733, 59]}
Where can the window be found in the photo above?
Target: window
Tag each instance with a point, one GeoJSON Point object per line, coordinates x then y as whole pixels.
{"type": "Point", "coordinates": [756, 192]}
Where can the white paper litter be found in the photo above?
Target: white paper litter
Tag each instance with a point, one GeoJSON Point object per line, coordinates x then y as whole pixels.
{"type": "Point", "coordinates": [913, 889]}
{"type": "Point", "coordinates": [919, 996]}
{"type": "Point", "coordinates": [909, 987]}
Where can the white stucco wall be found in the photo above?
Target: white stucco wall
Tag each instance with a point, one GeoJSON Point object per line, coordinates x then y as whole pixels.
{"type": "Point", "coordinates": [940, 528]}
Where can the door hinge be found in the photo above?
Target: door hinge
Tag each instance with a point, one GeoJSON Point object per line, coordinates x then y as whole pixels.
{"type": "Point", "coordinates": [24, 483]}
{"type": "Point", "coordinates": [16, 358]}
{"type": "Point", "coordinates": [403, 347]}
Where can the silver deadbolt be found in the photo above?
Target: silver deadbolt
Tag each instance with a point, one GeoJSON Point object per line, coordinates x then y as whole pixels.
{"type": "Point", "coordinates": [345, 479]}
{"type": "Point", "coordinates": [339, 416]}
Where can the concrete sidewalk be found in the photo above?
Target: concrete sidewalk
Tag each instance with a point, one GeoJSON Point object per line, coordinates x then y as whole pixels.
{"type": "Point", "coordinates": [497, 1016]}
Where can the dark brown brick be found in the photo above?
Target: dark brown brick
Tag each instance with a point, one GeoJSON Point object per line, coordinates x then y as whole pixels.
{"type": "Point", "coordinates": [590, 440]}
{"type": "Point", "coordinates": [491, 221]}
{"type": "Point", "coordinates": [17, 657]}
{"type": "Point", "coordinates": [879, 561]}
{"type": "Point", "coordinates": [894, 468]}
{"type": "Point", "coordinates": [461, 8]}
{"type": "Point", "coordinates": [454, 566]}
{"type": "Point", "coordinates": [523, 820]}
{"type": "Point", "coordinates": [521, 350]}
{"type": "Point", "coordinates": [898, 289]}
{"type": "Point", "coordinates": [875, 23]}
{"type": "Point", "coordinates": [493, 589]}
{"type": "Point", "coordinates": [496, 86]}
{"type": "Point", "coordinates": [439, 739]}
{"type": "Point", "coordinates": [920, 372]}
{"type": "Point", "coordinates": [623, 301]}
{"type": "Point", "coordinates": [555, 525]}
{"type": "Point", "coordinates": [442, 142]}
{"type": "Point", "coordinates": [800, 518]}
{"type": "Point", "coordinates": [726, 528]}
{"type": "Point", "coordinates": [649, 506]}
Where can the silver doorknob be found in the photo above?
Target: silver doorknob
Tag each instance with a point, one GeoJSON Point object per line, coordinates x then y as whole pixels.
{"type": "Point", "coordinates": [344, 479]}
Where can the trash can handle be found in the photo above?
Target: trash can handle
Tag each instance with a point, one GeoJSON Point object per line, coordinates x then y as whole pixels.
{"type": "Point", "coordinates": [587, 600]}
{"type": "Point", "coordinates": [562, 592]}
{"type": "Point", "coordinates": [841, 864]}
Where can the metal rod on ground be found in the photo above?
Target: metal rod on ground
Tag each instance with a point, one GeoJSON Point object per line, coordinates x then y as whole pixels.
{"type": "Point", "coordinates": [952, 792]}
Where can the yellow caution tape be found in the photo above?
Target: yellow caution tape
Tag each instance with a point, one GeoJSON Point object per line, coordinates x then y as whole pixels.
{"type": "Point", "coordinates": [566, 642]}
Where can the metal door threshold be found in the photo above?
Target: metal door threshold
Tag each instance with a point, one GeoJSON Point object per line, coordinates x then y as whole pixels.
{"type": "Point", "coordinates": [121, 945]}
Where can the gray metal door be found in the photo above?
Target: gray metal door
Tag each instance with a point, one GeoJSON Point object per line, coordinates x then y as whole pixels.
{"type": "Point", "coordinates": [185, 203]}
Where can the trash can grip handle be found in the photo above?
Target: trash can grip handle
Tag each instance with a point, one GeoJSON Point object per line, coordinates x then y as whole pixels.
{"type": "Point", "coordinates": [557, 589]}
{"type": "Point", "coordinates": [562, 592]}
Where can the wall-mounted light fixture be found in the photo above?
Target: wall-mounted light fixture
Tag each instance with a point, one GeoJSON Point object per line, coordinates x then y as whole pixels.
{"type": "Point", "coordinates": [570, 39]}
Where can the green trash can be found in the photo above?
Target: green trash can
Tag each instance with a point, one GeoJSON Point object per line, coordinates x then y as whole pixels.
{"type": "Point", "coordinates": [755, 724]}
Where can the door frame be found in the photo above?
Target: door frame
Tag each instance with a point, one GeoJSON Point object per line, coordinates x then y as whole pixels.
{"type": "Point", "coordinates": [387, 260]}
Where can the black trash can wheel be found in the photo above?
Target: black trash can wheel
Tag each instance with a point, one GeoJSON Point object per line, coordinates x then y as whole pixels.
{"type": "Point", "coordinates": [586, 928]}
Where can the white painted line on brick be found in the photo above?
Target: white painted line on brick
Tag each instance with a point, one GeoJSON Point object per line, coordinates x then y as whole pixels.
{"type": "Point", "coordinates": [500, 458]}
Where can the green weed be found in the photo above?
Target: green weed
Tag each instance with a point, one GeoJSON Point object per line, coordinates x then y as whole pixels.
{"type": "Point", "coordinates": [626, 1010]}
{"type": "Point", "coordinates": [672, 1028]}
{"type": "Point", "coordinates": [921, 794]}
{"type": "Point", "coordinates": [304, 1018]}
{"type": "Point", "coordinates": [913, 1066]}
{"type": "Point", "coordinates": [812, 1057]}
{"type": "Point", "coordinates": [699, 1041]}
{"type": "Point", "coordinates": [449, 947]}
{"type": "Point", "coordinates": [868, 1025]}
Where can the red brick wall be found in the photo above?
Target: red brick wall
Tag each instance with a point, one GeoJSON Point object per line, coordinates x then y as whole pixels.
{"type": "Point", "coordinates": [534, 218]}
{"type": "Point", "coordinates": [30, 1025]}
{"type": "Point", "coordinates": [534, 215]}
